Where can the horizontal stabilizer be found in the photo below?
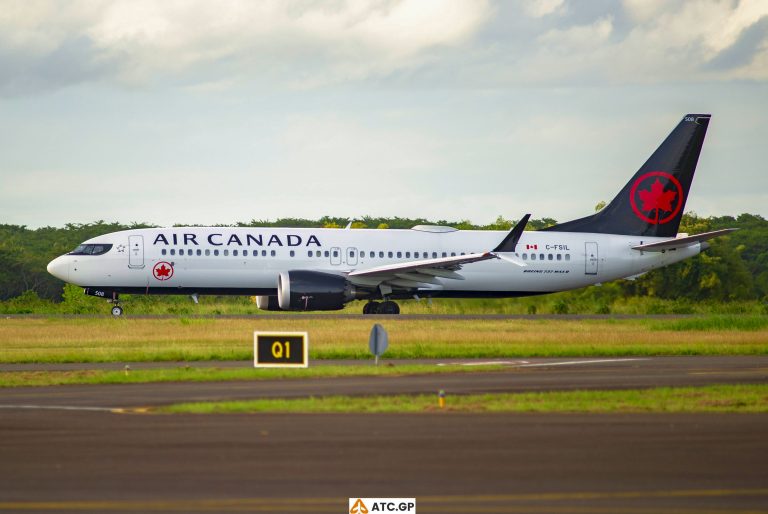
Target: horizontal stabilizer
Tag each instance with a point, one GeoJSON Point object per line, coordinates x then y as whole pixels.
{"type": "Point", "coordinates": [682, 242]}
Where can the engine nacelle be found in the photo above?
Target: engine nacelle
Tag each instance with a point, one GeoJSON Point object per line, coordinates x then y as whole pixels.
{"type": "Point", "coordinates": [313, 291]}
{"type": "Point", "coordinates": [267, 303]}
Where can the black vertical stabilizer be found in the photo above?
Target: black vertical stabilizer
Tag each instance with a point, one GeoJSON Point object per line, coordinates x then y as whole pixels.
{"type": "Point", "coordinates": [652, 203]}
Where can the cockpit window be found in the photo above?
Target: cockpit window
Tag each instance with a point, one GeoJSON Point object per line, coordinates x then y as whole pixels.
{"type": "Point", "coordinates": [91, 250]}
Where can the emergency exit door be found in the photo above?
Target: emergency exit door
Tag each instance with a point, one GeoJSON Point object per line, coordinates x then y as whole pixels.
{"type": "Point", "coordinates": [591, 258]}
{"type": "Point", "coordinates": [335, 256]}
{"type": "Point", "coordinates": [135, 251]}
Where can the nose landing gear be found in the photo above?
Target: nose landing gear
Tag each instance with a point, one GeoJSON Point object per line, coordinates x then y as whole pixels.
{"type": "Point", "coordinates": [117, 311]}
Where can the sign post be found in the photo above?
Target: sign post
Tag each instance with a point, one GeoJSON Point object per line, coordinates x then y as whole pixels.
{"type": "Point", "coordinates": [280, 350]}
{"type": "Point", "coordinates": [378, 342]}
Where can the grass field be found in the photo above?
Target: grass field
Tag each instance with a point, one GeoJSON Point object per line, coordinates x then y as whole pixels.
{"type": "Point", "coordinates": [125, 340]}
{"type": "Point", "coordinates": [191, 374]}
{"type": "Point", "coordinates": [723, 398]}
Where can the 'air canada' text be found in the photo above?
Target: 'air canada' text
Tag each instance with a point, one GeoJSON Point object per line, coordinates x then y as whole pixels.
{"type": "Point", "coordinates": [187, 239]}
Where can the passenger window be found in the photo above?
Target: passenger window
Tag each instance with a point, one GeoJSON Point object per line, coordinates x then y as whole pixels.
{"type": "Point", "coordinates": [567, 256]}
{"type": "Point", "coordinates": [226, 253]}
{"type": "Point", "coordinates": [533, 256]}
{"type": "Point", "coordinates": [389, 254]}
{"type": "Point", "coordinates": [216, 253]}
{"type": "Point", "coordinates": [293, 253]}
{"type": "Point", "coordinates": [525, 256]}
{"type": "Point", "coordinates": [199, 252]}
{"type": "Point", "coordinates": [207, 253]}
{"type": "Point", "coordinates": [309, 253]}
{"type": "Point", "coordinates": [163, 251]}
{"type": "Point", "coordinates": [335, 253]}
{"type": "Point", "coordinates": [445, 254]}
{"type": "Point", "coordinates": [407, 255]}
{"type": "Point", "coordinates": [541, 256]}
{"type": "Point", "coordinates": [381, 255]}
{"type": "Point", "coordinates": [453, 254]}
{"type": "Point", "coordinates": [173, 251]}
{"type": "Point", "coordinates": [559, 257]}
{"type": "Point", "coordinates": [327, 253]}
{"type": "Point", "coordinates": [549, 257]}
{"type": "Point", "coordinates": [399, 255]}
{"type": "Point", "coordinates": [434, 255]}
{"type": "Point", "coordinates": [263, 253]}
{"type": "Point", "coordinates": [372, 255]}
{"type": "Point", "coordinates": [273, 253]}
{"type": "Point", "coordinates": [351, 253]}
{"type": "Point", "coordinates": [234, 253]}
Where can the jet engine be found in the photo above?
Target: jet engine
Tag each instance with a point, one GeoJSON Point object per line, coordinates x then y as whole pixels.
{"type": "Point", "coordinates": [313, 291]}
{"type": "Point", "coordinates": [267, 303]}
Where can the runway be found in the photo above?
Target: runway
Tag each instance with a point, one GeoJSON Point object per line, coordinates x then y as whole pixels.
{"type": "Point", "coordinates": [372, 317]}
{"type": "Point", "coordinates": [53, 459]}
{"type": "Point", "coordinates": [99, 462]}
{"type": "Point", "coordinates": [516, 376]}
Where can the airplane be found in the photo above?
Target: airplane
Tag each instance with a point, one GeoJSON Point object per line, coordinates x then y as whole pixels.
{"type": "Point", "coordinates": [305, 269]}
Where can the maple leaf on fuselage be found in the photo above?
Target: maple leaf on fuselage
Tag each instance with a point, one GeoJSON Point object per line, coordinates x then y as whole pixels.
{"type": "Point", "coordinates": [657, 198]}
{"type": "Point", "coordinates": [162, 271]}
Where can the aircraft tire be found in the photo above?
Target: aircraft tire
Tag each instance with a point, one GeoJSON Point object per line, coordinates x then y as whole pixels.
{"type": "Point", "coordinates": [117, 311]}
{"type": "Point", "coordinates": [389, 308]}
{"type": "Point", "coordinates": [371, 308]}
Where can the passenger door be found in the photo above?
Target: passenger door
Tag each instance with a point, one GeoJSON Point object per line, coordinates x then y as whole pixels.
{"type": "Point", "coordinates": [591, 257]}
{"type": "Point", "coordinates": [136, 252]}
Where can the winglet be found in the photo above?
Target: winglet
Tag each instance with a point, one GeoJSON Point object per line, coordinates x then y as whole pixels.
{"type": "Point", "coordinates": [509, 243]}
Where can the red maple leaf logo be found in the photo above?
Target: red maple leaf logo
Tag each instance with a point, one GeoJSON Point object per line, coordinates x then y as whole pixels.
{"type": "Point", "coordinates": [655, 200]}
{"type": "Point", "coordinates": [163, 271]}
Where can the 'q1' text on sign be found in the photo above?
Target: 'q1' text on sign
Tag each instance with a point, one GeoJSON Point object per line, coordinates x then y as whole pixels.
{"type": "Point", "coordinates": [280, 349]}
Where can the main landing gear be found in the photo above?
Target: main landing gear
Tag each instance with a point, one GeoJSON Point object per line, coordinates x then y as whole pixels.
{"type": "Point", "coordinates": [387, 307]}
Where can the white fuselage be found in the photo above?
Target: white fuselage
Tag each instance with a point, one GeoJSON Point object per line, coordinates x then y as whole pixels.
{"type": "Point", "coordinates": [249, 260]}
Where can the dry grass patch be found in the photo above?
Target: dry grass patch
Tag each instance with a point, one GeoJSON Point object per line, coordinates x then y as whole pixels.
{"type": "Point", "coordinates": [103, 340]}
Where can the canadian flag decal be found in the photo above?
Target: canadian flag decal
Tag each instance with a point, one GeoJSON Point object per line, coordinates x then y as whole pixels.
{"type": "Point", "coordinates": [531, 247]}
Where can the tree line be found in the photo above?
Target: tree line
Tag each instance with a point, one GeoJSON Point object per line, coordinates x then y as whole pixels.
{"type": "Point", "coordinates": [735, 267]}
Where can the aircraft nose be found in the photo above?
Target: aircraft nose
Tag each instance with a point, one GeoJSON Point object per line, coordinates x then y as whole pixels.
{"type": "Point", "coordinates": [59, 268]}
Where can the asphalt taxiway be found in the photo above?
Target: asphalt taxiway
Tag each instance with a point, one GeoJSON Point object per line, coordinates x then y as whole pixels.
{"type": "Point", "coordinates": [68, 449]}
{"type": "Point", "coordinates": [516, 376]}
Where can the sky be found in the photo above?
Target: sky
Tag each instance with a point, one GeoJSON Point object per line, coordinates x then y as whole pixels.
{"type": "Point", "coordinates": [200, 112]}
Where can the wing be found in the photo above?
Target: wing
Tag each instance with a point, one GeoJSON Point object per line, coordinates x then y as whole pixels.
{"type": "Point", "coordinates": [682, 242]}
{"type": "Point", "coordinates": [415, 274]}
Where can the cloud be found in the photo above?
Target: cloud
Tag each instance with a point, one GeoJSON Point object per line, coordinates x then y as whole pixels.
{"type": "Point", "coordinates": [539, 8]}
{"type": "Point", "coordinates": [139, 41]}
{"type": "Point", "coordinates": [637, 42]}
{"type": "Point", "coordinates": [303, 44]}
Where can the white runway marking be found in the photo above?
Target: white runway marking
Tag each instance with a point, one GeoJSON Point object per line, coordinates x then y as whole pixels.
{"type": "Point", "coordinates": [482, 363]}
{"type": "Point", "coordinates": [526, 364]}
{"type": "Point", "coordinates": [574, 363]}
